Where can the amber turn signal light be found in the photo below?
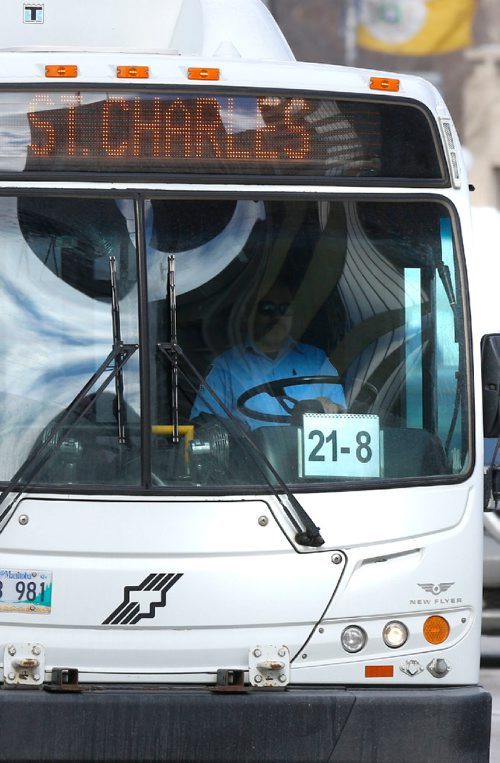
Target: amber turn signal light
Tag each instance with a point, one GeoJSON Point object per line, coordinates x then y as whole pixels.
{"type": "Point", "coordinates": [436, 629]}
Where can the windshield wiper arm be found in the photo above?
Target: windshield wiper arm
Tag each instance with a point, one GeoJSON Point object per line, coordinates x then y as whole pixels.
{"type": "Point", "coordinates": [308, 534]}
{"type": "Point", "coordinates": [62, 428]}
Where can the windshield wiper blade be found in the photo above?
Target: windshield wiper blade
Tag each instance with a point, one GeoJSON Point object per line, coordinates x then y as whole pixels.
{"type": "Point", "coordinates": [174, 362]}
{"type": "Point", "coordinates": [118, 348]}
{"type": "Point", "coordinates": [61, 429]}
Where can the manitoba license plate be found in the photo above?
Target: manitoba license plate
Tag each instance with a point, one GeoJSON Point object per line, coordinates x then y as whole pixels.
{"type": "Point", "coordinates": [28, 591]}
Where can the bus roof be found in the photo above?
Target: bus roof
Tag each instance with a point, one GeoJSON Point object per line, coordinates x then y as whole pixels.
{"type": "Point", "coordinates": [210, 28]}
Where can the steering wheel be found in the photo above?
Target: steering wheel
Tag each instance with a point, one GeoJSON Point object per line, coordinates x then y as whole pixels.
{"type": "Point", "coordinates": [276, 389]}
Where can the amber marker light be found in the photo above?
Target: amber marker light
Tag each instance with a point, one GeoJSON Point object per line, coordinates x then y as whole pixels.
{"type": "Point", "coordinates": [132, 72]}
{"type": "Point", "coordinates": [384, 83]}
{"type": "Point", "coordinates": [61, 71]}
{"type": "Point", "coordinates": [379, 671]}
{"type": "Point", "coordinates": [203, 73]}
{"type": "Point", "coordinates": [436, 629]}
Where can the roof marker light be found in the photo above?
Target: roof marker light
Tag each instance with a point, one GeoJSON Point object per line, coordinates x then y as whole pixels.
{"type": "Point", "coordinates": [61, 71]}
{"type": "Point", "coordinates": [203, 73]}
{"type": "Point", "coordinates": [132, 72]}
{"type": "Point", "coordinates": [384, 83]}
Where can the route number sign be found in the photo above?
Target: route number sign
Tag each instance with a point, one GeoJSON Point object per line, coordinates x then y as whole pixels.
{"type": "Point", "coordinates": [340, 445]}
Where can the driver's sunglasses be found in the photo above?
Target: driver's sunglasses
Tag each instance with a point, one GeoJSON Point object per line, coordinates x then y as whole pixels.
{"type": "Point", "coordinates": [269, 308]}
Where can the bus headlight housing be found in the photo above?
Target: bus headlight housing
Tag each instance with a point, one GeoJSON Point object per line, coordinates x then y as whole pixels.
{"type": "Point", "coordinates": [353, 638]}
{"type": "Point", "coordinates": [395, 634]}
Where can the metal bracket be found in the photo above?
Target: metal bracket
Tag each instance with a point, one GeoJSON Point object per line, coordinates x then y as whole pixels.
{"type": "Point", "coordinates": [269, 666]}
{"type": "Point", "coordinates": [411, 668]}
{"type": "Point", "coordinates": [64, 680]}
{"type": "Point", "coordinates": [230, 681]}
{"type": "Point", "coordinates": [23, 665]}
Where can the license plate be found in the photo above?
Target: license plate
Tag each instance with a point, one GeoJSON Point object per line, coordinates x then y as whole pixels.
{"type": "Point", "coordinates": [28, 591]}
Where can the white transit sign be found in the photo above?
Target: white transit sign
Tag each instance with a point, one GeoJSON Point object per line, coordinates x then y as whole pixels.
{"type": "Point", "coordinates": [341, 445]}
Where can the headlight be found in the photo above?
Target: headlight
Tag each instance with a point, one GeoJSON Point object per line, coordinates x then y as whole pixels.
{"type": "Point", "coordinates": [353, 638]}
{"type": "Point", "coordinates": [395, 634]}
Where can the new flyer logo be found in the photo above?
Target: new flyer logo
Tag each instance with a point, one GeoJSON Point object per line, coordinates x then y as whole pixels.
{"type": "Point", "coordinates": [435, 588]}
{"type": "Point", "coordinates": [141, 601]}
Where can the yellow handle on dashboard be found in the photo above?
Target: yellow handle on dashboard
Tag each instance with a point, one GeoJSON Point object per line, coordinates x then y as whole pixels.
{"type": "Point", "coordinates": [186, 430]}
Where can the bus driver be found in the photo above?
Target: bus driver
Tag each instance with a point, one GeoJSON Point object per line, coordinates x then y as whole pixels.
{"type": "Point", "coordinates": [269, 353]}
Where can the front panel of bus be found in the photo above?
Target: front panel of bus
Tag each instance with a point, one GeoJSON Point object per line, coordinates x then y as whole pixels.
{"type": "Point", "coordinates": [236, 422]}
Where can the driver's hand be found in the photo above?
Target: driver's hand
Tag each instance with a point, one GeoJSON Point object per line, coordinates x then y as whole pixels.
{"type": "Point", "coordinates": [329, 407]}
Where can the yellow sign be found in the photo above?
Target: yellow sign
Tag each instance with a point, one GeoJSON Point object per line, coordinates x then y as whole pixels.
{"type": "Point", "coordinates": [415, 27]}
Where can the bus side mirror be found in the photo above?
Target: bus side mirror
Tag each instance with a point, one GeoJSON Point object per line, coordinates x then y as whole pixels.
{"type": "Point", "coordinates": [490, 373]}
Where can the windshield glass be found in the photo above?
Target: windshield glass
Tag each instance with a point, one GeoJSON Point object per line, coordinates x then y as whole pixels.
{"type": "Point", "coordinates": [57, 330]}
{"type": "Point", "coordinates": [326, 336]}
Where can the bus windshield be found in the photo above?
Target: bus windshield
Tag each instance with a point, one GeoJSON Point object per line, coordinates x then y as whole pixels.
{"type": "Point", "coordinates": [322, 339]}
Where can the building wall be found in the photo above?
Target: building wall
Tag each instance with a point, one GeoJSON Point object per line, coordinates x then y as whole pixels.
{"type": "Point", "coordinates": [481, 124]}
{"type": "Point", "coordinates": [468, 80]}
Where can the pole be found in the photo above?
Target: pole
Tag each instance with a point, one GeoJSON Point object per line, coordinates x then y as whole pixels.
{"type": "Point", "coordinates": [350, 27]}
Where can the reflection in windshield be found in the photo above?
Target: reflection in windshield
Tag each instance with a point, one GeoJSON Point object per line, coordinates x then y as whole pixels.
{"type": "Point", "coordinates": [325, 328]}
{"type": "Point", "coordinates": [56, 331]}
{"type": "Point", "coordinates": [200, 258]}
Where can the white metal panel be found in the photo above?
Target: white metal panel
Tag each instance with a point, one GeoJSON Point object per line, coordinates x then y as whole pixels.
{"type": "Point", "coordinates": [240, 28]}
{"type": "Point", "coordinates": [239, 582]}
{"type": "Point", "coordinates": [119, 24]}
{"type": "Point", "coordinates": [360, 518]}
{"type": "Point", "coordinates": [234, 569]}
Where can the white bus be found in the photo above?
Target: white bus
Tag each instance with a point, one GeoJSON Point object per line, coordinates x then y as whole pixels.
{"type": "Point", "coordinates": [240, 449]}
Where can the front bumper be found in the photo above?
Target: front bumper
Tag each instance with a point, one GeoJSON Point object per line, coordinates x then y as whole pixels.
{"type": "Point", "coordinates": [158, 723]}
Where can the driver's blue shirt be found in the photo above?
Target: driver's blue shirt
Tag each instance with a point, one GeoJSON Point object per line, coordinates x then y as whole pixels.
{"type": "Point", "coordinates": [241, 368]}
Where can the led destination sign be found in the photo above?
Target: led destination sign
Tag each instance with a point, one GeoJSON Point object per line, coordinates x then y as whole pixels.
{"type": "Point", "coordinates": [163, 131]}
{"type": "Point", "coordinates": [186, 133]}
